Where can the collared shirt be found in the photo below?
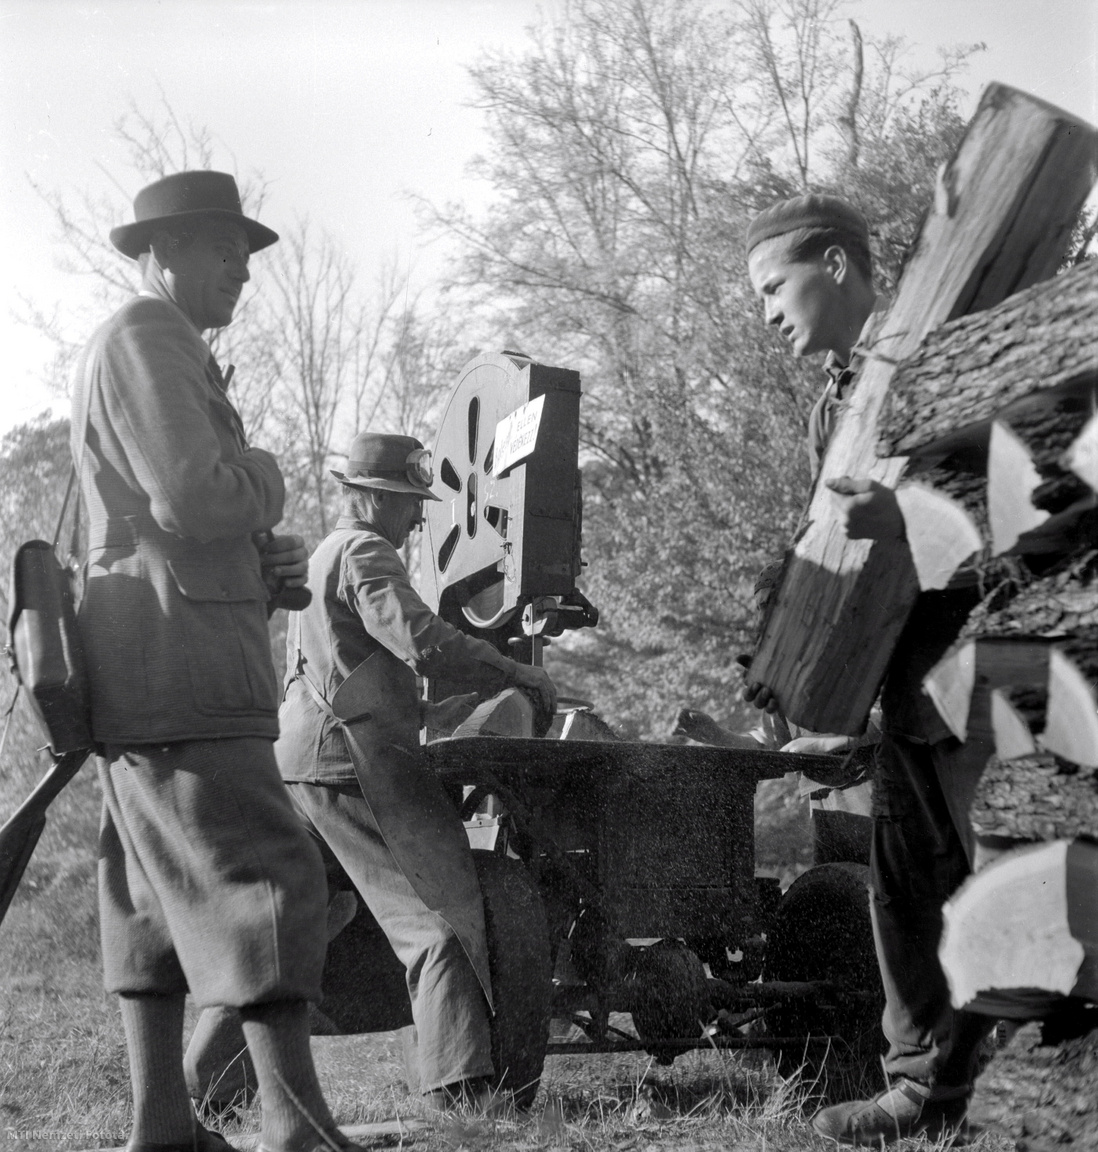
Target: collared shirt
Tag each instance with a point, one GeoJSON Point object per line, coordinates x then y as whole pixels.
{"type": "Point", "coordinates": [821, 420]}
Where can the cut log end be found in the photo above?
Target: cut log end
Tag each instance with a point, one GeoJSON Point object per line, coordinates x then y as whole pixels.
{"type": "Point", "coordinates": [1009, 928]}
{"type": "Point", "coordinates": [1082, 456]}
{"type": "Point", "coordinates": [950, 683]}
{"type": "Point", "coordinates": [1013, 735]}
{"type": "Point", "coordinates": [940, 534]}
{"type": "Point", "coordinates": [1071, 725]}
{"type": "Point", "coordinates": [1012, 478]}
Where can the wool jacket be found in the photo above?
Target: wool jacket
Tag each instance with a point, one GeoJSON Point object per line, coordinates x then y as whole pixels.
{"type": "Point", "coordinates": [174, 612]}
{"type": "Point", "coordinates": [364, 607]}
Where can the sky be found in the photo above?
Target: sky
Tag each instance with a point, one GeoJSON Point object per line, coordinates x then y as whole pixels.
{"type": "Point", "coordinates": [346, 106]}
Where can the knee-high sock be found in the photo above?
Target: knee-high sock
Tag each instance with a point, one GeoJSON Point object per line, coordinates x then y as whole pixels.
{"type": "Point", "coordinates": [162, 1112]}
{"type": "Point", "coordinates": [293, 1105]}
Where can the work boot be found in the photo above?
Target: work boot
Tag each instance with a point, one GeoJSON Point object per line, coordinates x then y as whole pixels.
{"type": "Point", "coordinates": [905, 1108]}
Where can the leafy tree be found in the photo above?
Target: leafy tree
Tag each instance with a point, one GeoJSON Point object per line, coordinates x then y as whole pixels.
{"type": "Point", "coordinates": [631, 144]}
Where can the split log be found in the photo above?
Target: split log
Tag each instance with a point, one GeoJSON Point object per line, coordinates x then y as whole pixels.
{"type": "Point", "coordinates": [1002, 217]}
{"type": "Point", "coordinates": [1062, 601]}
{"type": "Point", "coordinates": [1071, 721]}
{"type": "Point", "coordinates": [1038, 797]}
{"type": "Point", "coordinates": [1029, 921]}
{"type": "Point", "coordinates": [981, 367]}
{"type": "Point", "coordinates": [1082, 456]}
{"type": "Point", "coordinates": [961, 682]}
{"type": "Point", "coordinates": [1036, 504]}
{"type": "Point", "coordinates": [964, 487]}
{"type": "Point", "coordinates": [1038, 1092]}
{"type": "Point", "coordinates": [940, 534]}
{"type": "Point", "coordinates": [510, 713]}
{"type": "Point", "coordinates": [1012, 478]}
{"type": "Point", "coordinates": [1014, 731]}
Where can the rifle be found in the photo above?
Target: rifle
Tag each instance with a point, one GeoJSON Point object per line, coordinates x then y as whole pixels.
{"type": "Point", "coordinates": [19, 835]}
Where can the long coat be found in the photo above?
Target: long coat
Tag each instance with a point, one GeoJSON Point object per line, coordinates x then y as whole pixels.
{"type": "Point", "coordinates": [174, 612]}
{"type": "Point", "coordinates": [367, 622]}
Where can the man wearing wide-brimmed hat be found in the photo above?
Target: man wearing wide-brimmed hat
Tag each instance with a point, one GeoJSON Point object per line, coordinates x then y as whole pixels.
{"type": "Point", "coordinates": [208, 882]}
{"type": "Point", "coordinates": [362, 786]}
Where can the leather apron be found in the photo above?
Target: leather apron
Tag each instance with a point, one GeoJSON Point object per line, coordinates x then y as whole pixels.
{"type": "Point", "coordinates": [431, 847]}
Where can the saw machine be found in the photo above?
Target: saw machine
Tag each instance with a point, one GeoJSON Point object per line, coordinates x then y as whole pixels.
{"type": "Point", "coordinates": [619, 876]}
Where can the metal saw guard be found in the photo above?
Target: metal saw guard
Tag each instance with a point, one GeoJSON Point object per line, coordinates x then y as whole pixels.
{"type": "Point", "coordinates": [500, 542]}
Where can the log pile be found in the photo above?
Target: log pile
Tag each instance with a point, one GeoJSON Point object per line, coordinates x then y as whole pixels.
{"type": "Point", "coordinates": [996, 414]}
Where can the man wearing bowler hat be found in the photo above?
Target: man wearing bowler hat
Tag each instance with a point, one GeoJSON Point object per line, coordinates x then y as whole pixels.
{"type": "Point", "coordinates": [349, 751]}
{"type": "Point", "coordinates": [207, 881]}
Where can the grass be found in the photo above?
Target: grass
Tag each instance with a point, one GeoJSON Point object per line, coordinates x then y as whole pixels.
{"type": "Point", "coordinates": [64, 1082]}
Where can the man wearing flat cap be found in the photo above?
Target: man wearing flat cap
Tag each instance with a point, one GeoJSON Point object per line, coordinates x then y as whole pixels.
{"type": "Point", "coordinates": [809, 263]}
{"type": "Point", "coordinates": [207, 881]}
{"type": "Point", "coordinates": [349, 751]}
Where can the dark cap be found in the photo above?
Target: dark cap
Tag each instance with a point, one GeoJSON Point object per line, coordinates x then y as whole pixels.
{"type": "Point", "coordinates": [815, 211]}
{"type": "Point", "coordinates": [187, 196]}
{"type": "Point", "coordinates": [393, 463]}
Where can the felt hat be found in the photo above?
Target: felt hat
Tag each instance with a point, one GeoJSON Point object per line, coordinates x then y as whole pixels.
{"type": "Point", "coordinates": [394, 463]}
{"type": "Point", "coordinates": [814, 211]}
{"type": "Point", "coordinates": [186, 196]}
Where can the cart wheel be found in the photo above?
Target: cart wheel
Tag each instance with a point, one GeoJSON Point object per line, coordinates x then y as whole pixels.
{"type": "Point", "coordinates": [520, 963]}
{"type": "Point", "coordinates": [822, 931]}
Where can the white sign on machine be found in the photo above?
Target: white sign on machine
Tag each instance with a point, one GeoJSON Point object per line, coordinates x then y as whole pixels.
{"type": "Point", "coordinates": [517, 435]}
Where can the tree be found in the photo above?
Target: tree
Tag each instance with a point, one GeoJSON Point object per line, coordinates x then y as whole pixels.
{"type": "Point", "coordinates": [315, 357]}
{"type": "Point", "coordinates": [630, 146]}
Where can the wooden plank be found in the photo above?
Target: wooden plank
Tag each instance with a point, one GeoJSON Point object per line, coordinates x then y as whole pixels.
{"type": "Point", "coordinates": [1001, 220]}
{"type": "Point", "coordinates": [967, 372]}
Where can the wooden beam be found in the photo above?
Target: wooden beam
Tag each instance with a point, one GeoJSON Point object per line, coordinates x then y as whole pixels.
{"type": "Point", "coordinates": [967, 372]}
{"type": "Point", "coordinates": [1002, 218]}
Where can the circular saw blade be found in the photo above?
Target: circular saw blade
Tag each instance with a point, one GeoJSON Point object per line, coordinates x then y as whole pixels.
{"type": "Point", "coordinates": [467, 528]}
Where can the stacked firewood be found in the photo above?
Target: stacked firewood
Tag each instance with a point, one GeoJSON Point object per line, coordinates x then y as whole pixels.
{"type": "Point", "coordinates": [996, 416]}
{"type": "Point", "coordinates": [996, 413]}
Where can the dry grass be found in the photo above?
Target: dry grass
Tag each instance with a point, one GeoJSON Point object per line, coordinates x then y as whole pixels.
{"type": "Point", "coordinates": [64, 1082]}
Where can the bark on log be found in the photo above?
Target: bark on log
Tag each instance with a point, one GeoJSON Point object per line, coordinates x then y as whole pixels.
{"type": "Point", "coordinates": [1035, 798]}
{"type": "Point", "coordinates": [1035, 504]}
{"type": "Point", "coordinates": [966, 488]}
{"type": "Point", "coordinates": [1001, 221]}
{"type": "Point", "coordinates": [1011, 927]}
{"type": "Point", "coordinates": [967, 372]}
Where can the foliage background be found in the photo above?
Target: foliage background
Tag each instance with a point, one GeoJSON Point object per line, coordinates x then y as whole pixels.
{"type": "Point", "coordinates": [630, 145]}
